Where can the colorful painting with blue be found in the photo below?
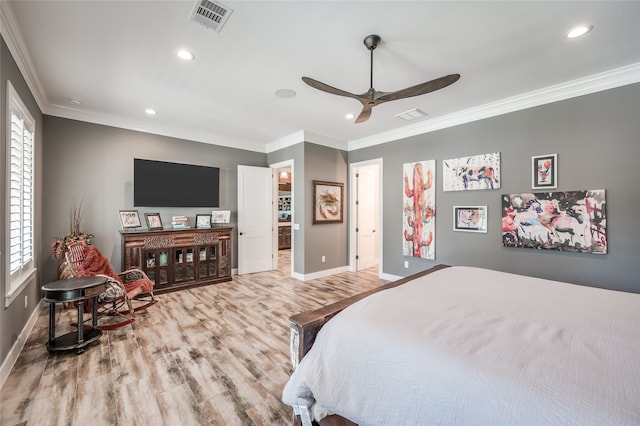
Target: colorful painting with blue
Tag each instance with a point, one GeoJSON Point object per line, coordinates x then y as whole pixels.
{"type": "Point", "coordinates": [567, 221]}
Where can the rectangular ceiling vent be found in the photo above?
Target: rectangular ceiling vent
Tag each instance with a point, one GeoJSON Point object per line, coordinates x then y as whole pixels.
{"type": "Point", "coordinates": [210, 14]}
{"type": "Point", "coordinates": [412, 114]}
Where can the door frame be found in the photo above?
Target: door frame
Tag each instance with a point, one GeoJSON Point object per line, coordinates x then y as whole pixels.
{"type": "Point", "coordinates": [353, 238]}
{"type": "Point", "coordinates": [275, 167]}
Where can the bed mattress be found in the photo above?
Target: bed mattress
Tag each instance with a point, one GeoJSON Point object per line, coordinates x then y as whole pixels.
{"type": "Point", "coordinates": [472, 346]}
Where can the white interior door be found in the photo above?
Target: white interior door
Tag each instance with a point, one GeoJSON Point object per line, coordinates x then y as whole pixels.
{"type": "Point", "coordinates": [367, 217]}
{"type": "Point", "coordinates": [255, 219]}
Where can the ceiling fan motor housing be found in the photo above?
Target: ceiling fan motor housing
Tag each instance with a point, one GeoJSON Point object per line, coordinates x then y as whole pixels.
{"type": "Point", "coordinates": [371, 41]}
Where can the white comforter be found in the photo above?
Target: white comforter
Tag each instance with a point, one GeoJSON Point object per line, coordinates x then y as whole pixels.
{"type": "Point", "coordinates": [471, 346]}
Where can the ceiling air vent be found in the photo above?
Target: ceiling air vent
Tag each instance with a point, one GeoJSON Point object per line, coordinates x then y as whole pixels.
{"type": "Point", "coordinates": [412, 114]}
{"type": "Point", "coordinates": [210, 14]}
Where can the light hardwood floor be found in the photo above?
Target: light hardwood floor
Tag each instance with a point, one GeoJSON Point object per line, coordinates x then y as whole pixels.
{"type": "Point", "coordinates": [213, 355]}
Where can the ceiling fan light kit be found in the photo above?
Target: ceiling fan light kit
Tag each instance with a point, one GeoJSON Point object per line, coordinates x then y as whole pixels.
{"type": "Point", "coordinates": [372, 97]}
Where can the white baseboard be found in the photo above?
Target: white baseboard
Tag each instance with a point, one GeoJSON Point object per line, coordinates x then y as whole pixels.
{"type": "Point", "coordinates": [17, 347]}
{"type": "Point", "coordinates": [389, 277]}
{"type": "Point", "coordinates": [319, 274]}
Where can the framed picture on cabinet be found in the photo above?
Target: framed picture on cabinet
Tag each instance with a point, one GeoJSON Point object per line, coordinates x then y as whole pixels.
{"type": "Point", "coordinates": [203, 221]}
{"type": "Point", "coordinates": [129, 219]}
{"type": "Point", "coordinates": [220, 216]}
{"type": "Point", "coordinates": [153, 221]}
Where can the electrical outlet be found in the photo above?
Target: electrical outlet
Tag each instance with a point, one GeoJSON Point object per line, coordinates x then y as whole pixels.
{"type": "Point", "coordinates": [323, 258]}
{"type": "Point", "coordinates": [406, 263]}
{"type": "Point", "coordinates": [26, 301]}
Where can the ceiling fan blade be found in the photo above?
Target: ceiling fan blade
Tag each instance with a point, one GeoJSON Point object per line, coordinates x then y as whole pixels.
{"type": "Point", "coordinates": [420, 89]}
{"type": "Point", "coordinates": [326, 88]}
{"type": "Point", "coordinates": [365, 114]}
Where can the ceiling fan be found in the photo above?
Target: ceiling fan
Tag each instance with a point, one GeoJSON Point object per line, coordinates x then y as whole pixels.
{"type": "Point", "coordinates": [372, 97]}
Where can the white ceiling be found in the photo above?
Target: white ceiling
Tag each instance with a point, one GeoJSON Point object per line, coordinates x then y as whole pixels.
{"type": "Point", "coordinates": [119, 57]}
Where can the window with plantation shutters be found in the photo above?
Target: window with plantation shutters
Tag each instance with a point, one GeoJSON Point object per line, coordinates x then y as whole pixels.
{"type": "Point", "coordinates": [20, 195]}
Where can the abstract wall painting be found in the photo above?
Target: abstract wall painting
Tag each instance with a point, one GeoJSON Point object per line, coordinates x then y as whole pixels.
{"type": "Point", "coordinates": [419, 208]}
{"type": "Point", "coordinates": [471, 173]}
{"type": "Point", "coordinates": [567, 221]}
{"type": "Point", "coordinates": [328, 202]}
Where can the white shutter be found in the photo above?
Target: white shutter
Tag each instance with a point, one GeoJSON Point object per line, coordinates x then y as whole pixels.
{"type": "Point", "coordinates": [20, 182]}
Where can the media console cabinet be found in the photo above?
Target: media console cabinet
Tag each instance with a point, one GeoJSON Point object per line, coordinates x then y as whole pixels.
{"type": "Point", "coordinates": [179, 258]}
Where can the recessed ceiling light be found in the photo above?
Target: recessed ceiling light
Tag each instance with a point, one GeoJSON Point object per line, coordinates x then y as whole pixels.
{"type": "Point", "coordinates": [150, 111]}
{"type": "Point", "coordinates": [185, 55]}
{"type": "Point", "coordinates": [349, 116]}
{"type": "Point", "coordinates": [285, 93]}
{"type": "Point", "coordinates": [579, 31]}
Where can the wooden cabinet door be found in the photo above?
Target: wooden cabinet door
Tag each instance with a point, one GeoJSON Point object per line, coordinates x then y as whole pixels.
{"type": "Point", "coordinates": [224, 256]}
{"type": "Point", "coordinates": [208, 261]}
{"type": "Point", "coordinates": [156, 265]}
{"type": "Point", "coordinates": [184, 264]}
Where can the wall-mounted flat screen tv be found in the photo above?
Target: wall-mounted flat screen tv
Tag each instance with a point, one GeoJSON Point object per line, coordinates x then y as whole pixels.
{"type": "Point", "coordinates": [165, 184]}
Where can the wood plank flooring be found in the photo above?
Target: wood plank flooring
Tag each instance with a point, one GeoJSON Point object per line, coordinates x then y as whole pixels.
{"type": "Point", "coordinates": [214, 355]}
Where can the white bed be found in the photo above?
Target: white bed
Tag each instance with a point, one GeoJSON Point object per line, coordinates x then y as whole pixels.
{"type": "Point", "coordinates": [471, 346]}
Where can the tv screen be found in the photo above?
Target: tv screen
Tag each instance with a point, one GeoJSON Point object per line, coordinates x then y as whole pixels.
{"type": "Point", "coordinates": [164, 184]}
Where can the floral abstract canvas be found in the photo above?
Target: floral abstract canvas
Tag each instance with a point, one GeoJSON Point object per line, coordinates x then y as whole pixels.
{"type": "Point", "coordinates": [568, 221]}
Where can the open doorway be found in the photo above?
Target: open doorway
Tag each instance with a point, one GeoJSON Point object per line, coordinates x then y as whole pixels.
{"type": "Point", "coordinates": [283, 180]}
{"type": "Point", "coordinates": [366, 215]}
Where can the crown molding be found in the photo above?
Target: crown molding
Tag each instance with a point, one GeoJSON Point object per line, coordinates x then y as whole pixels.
{"type": "Point", "coordinates": [12, 36]}
{"type": "Point", "coordinates": [325, 140]}
{"type": "Point", "coordinates": [285, 142]}
{"type": "Point", "coordinates": [306, 136]}
{"type": "Point", "coordinates": [583, 86]}
{"type": "Point", "coordinates": [154, 128]}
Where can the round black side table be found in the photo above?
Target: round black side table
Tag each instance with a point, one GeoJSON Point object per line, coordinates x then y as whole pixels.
{"type": "Point", "coordinates": [74, 290]}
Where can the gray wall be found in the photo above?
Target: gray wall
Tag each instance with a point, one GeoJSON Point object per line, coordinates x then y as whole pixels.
{"type": "Point", "coordinates": [295, 153]}
{"type": "Point", "coordinates": [329, 240]}
{"type": "Point", "coordinates": [311, 242]}
{"type": "Point", "coordinates": [93, 164]}
{"type": "Point", "coordinates": [14, 317]}
{"type": "Point", "coordinates": [597, 139]}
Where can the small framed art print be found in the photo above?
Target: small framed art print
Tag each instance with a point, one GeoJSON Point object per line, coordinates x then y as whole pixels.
{"type": "Point", "coordinates": [544, 171]}
{"type": "Point", "coordinates": [203, 221]}
{"type": "Point", "coordinates": [153, 221]}
{"type": "Point", "coordinates": [470, 219]}
{"type": "Point", "coordinates": [220, 216]}
{"type": "Point", "coordinates": [129, 219]}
